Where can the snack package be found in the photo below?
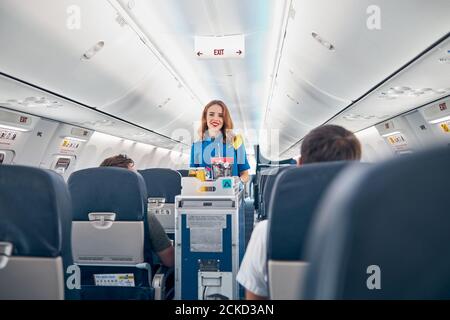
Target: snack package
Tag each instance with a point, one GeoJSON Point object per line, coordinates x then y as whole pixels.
{"type": "Point", "coordinates": [222, 167]}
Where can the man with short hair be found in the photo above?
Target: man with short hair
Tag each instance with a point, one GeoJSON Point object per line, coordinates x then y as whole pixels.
{"type": "Point", "coordinates": [326, 143]}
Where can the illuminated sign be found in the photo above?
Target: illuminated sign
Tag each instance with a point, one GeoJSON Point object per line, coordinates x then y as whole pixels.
{"type": "Point", "coordinates": [398, 141]}
{"type": "Point", "coordinates": [7, 137]}
{"type": "Point", "coordinates": [69, 146]}
{"type": "Point", "coordinates": [445, 126]}
{"type": "Point", "coordinates": [220, 47]}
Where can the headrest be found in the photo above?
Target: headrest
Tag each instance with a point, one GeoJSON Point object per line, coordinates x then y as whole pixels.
{"type": "Point", "coordinates": [263, 176]}
{"type": "Point", "coordinates": [35, 211]}
{"type": "Point", "coordinates": [297, 192]}
{"type": "Point", "coordinates": [272, 174]}
{"type": "Point", "coordinates": [162, 183]}
{"type": "Point", "coordinates": [108, 189]}
{"type": "Point", "coordinates": [393, 216]}
{"type": "Point", "coordinates": [267, 184]}
{"type": "Point", "coordinates": [184, 173]}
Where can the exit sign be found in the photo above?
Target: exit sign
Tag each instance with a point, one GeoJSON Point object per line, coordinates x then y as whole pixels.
{"type": "Point", "coordinates": [227, 47]}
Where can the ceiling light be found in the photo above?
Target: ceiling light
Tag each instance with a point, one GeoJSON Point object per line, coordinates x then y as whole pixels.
{"type": "Point", "coordinates": [394, 92]}
{"type": "Point", "coordinates": [323, 42]}
{"type": "Point", "coordinates": [131, 4]}
{"type": "Point", "coordinates": [402, 88]}
{"type": "Point", "coordinates": [400, 91]}
{"type": "Point", "coordinates": [93, 51]}
{"type": "Point", "coordinates": [386, 97]}
{"type": "Point", "coordinates": [139, 135]}
{"type": "Point", "coordinates": [439, 120]}
{"type": "Point", "coordinates": [277, 38]}
{"type": "Point", "coordinates": [3, 126]}
{"type": "Point", "coordinates": [75, 139]}
{"type": "Point", "coordinates": [390, 134]}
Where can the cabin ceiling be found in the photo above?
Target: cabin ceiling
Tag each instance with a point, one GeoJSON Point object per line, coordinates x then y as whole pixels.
{"type": "Point", "coordinates": [147, 72]}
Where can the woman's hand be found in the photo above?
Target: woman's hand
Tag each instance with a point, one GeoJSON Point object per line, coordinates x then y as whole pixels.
{"type": "Point", "coordinates": [244, 176]}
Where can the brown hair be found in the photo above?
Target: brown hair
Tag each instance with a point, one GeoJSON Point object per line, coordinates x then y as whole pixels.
{"type": "Point", "coordinates": [227, 122]}
{"type": "Point", "coordinates": [330, 143]}
{"type": "Point", "coordinates": [121, 161]}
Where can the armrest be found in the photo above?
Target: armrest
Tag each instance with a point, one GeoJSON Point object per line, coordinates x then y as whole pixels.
{"type": "Point", "coordinates": [160, 280]}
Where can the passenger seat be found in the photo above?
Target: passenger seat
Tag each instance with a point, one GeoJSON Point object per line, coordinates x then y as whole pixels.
{"type": "Point", "coordinates": [110, 235]}
{"type": "Point", "coordinates": [163, 185]}
{"type": "Point", "coordinates": [297, 193]}
{"type": "Point", "coordinates": [35, 222]}
{"type": "Point", "coordinates": [383, 232]}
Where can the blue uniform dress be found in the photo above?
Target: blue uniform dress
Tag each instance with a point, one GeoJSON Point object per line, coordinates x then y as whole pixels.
{"type": "Point", "coordinates": [203, 151]}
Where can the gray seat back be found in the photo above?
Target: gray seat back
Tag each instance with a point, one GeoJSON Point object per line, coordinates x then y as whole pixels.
{"type": "Point", "coordinates": [163, 185]}
{"type": "Point", "coordinates": [35, 219]}
{"type": "Point", "coordinates": [384, 232]}
{"type": "Point", "coordinates": [296, 195]}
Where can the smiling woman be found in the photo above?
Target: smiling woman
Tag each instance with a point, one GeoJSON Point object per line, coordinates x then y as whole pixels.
{"type": "Point", "coordinates": [218, 144]}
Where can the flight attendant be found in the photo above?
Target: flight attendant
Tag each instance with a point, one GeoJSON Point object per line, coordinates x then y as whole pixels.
{"type": "Point", "coordinates": [218, 143]}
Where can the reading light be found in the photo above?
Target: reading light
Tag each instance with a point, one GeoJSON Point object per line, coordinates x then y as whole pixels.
{"type": "Point", "coordinates": [277, 38]}
{"type": "Point", "coordinates": [3, 126]}
{"type": "Point", "coordinates": [390, 134]}
{"type": "Point", "coordinates": [93, 51]}
{"type": "Point", "coordinates": [323, 42]}
{"type": "Point", "coordinates": [447, 118]}
{"type": "Point", "coordinates": [75, 139]}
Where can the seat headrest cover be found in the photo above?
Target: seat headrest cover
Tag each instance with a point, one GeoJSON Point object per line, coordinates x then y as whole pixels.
{"type": "Point", "coordinates": [184, 173]}
{"type": "Point", "coordinates": [108, 189]}
{"type": "Point", "coordinates": [270, 183]}
{"type": "Point", "coordinates": [393, 215]}
{"type": "Point", "coordinates": [162, 183]}
{"type": "Point", "coordinates": [35, 211]}
{"type": "Point", "coordinates": [297, 192]}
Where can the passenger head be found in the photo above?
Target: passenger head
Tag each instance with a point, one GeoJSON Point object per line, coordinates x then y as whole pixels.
{"type": "Point", "coordinates": [330, 143]}
{"type": "Point", "coordinates": [121, 161]}
{"type": "Point", "coordinates": [215, 118]}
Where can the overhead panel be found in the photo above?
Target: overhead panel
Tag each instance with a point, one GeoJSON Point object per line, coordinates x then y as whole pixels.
{"type": "Point", "coordinates": [81, 49]}
{"type": "Point", "coordinates": [428, 79]}
{"type": "Point", "coordinates": [20, 97]}
{"type": "Point", "coordinates": [370, 40]}
{"type": "Point", "coordinates": [345, 53]}
{"type": "Point", "coordinates": [155, 102]}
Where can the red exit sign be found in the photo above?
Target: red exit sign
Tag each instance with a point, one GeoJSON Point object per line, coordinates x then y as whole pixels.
{"type": "Point", "coordinates": [219, 52]}
{"type": "Point", "coordinates": [226, 47]}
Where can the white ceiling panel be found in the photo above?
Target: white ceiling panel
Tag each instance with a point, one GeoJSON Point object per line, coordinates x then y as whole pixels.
{"type": "Point", "coordinates": [40, 48]}
{"type": "Point", "coordinates": [156, 102]}
{"type": "Point", "coordinates": [20, 97]}
{"type": "Point", "coordinates": [428, 79]}
{"type": "Point", "coordinates": [362, 57]}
